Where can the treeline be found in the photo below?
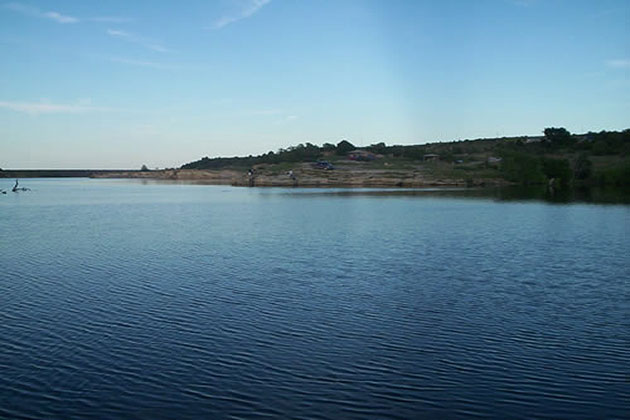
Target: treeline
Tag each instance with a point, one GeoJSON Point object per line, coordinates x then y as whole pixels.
{"type": "Point", "coordinates": [566, 158]}
{"type": "Point", "coordinates": [559, 155]}
{"type": "Point", "coordinates": [307, 152]}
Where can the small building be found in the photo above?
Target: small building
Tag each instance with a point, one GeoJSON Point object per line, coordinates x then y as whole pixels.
{"type": "Point", "coordinates": [430, 157]}
{"type": "Point", "coordinates": [361, 155]}
{"type": "Point", "coordinates": [494, 160]}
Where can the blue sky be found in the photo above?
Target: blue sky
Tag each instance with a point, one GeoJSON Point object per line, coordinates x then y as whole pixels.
{"type": "Point", "coordinates": [118, 84]}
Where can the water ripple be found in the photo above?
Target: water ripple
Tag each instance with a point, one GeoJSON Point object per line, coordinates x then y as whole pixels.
{"type": "Point", "coordinates": [251, 305]}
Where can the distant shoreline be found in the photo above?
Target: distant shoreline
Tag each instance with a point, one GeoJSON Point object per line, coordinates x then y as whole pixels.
{"type": "Point", "coordinates": [556, 160]}
{"type": "Point", "coordinates": [57, 173]}
{"type": "Point", "coordinates": [304, 175]}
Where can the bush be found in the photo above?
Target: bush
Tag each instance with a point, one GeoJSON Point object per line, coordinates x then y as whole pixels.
{"type": "Point", "coordinates": [583, 169]}
{"type": "Point", "coordinates": [522, 168]}
{"type": "Point", "coordinates": [344, 146]}
{"type": "Point", "coordinates": [559, 169]}
{"type": "Point", "coordinates": [619, 176]}
{"type": "Point", "coordinates": [558, 136]}
{"type": "Point", "coordinates": [378, 148]}
{"type": "Point", "coordinates": [328, 147]}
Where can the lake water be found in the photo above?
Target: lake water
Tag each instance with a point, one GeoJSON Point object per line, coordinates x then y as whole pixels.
{"type": "Point", "coordinates": [122, 299]}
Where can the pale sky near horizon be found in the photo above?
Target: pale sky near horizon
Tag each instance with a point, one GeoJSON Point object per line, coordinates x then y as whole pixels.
{"type": "Point", "coordinates": [118, 84]}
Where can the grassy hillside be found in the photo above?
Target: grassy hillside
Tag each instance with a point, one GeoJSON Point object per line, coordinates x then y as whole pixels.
{"type": "Point", "coordinates": [557, 157]}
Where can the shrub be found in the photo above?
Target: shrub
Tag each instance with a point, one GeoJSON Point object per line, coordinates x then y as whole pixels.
{"type": "Point", "coordinates": [559, 169]}
{"type": "Point", "coordinates": [522, 168]}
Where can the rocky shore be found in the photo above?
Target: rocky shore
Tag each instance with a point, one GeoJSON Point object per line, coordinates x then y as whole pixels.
{"type": "Point", "coordinates": [304, 175]}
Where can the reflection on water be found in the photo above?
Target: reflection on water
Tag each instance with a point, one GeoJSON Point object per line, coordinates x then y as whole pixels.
{"type": "Point", "coordinates": [123, 299]}
{"type": "Point", "coordinates": [594, 195]}
{"type": "Point", "coordinates": [584, 194]}
{"type": "Point", "coordinates": [576, 195]}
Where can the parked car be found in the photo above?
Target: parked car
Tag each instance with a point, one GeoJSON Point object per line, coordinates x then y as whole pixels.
{"type": "Point", "coordinates": [322, 164]}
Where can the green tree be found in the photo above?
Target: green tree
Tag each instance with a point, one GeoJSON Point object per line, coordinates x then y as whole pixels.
{"type": "Point", "coordinates": [557, 169]}
{"type": "Point", "coordinates": [557, 136]}
{"type": "Point", "coordinates": [583, 167]}
{"type": "Point", "coordinates": [522, 168]}
{"type": "Point", "coordinates": [344, 146]}
{"type": "Point", "coordinates": [414, 152]}
{"type": "Point", "coordinates": [379, 148]}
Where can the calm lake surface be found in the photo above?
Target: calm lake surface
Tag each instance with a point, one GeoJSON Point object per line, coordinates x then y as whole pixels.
{"type": "Point", "coordinates": [120, 299]}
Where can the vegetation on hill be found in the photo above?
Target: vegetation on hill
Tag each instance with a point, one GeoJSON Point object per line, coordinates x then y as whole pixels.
{"type": "Point", "coordinates": [593, 158]}
{"type": "Point", "coordinates": [558, 158]}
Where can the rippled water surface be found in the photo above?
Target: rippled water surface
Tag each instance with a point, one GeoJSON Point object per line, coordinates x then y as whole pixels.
{"type": "Point", "coordinates": [125, 300]}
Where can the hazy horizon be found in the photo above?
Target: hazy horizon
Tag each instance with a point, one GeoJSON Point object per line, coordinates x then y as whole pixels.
{"type": "Point", "coordinates": [95, 85]}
